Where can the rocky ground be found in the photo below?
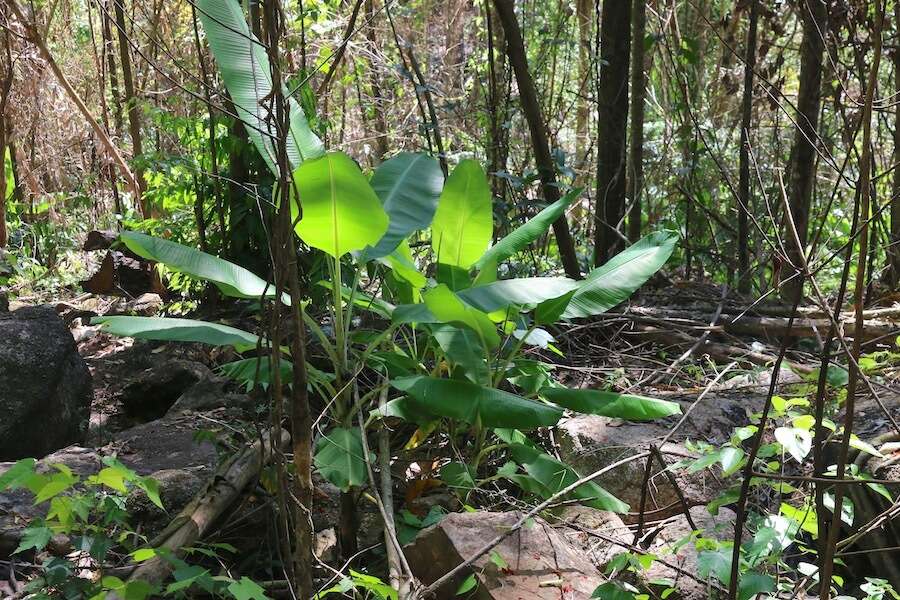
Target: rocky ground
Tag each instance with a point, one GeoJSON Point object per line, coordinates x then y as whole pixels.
{"type": "Point", "coordinates": [77, 394]}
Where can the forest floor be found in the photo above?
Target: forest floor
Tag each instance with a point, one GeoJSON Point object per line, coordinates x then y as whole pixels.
{"type": "Point", "coordinates": [163, 409]}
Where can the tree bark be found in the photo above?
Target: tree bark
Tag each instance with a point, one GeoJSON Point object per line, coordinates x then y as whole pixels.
{"type": "Point", "coordinates": [515, 50]}
{"type": "Point", "coordinates": [109, 52]}
{"type": "Point", "coordinates": [743, 209]}
{"type": "Point", "coordinates": [813, 14]}
{"type": "Point", "coordinates": [134, 111]}
{"type": "Point", "coordinates": [635, 182]}
{"type": "Point", "coordinates": [5, 87]}
{"type": "Point", "coordinates": [612, 108]}
{"type": "Point", "coordinates": [894, 247]}
{"type": "Point", "coordinates": [583, 10]}
{"type": "Point", "coordinates": [381, 137]}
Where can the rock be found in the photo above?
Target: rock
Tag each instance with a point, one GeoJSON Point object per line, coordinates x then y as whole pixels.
{"type": "Point", "coordinates": [595, 532]}
{"type": "Point", "coordinates": [154, 391]}
{"type": "Point", "coordinates": [208, 393]}
{"type": "Point", "coordinates": [177, 487]}
{"type": "Point", "coordinates": [167, 443]}
{"type": "Point", "coordinates": [540, 563]}
{"type": "Point", "coordinates": [120, 274]}
{"type": "Point", "coordinates": [145, 305]}
{"type": "Point", "coordinates": [17, 507]}
{"type": "Point", "coordinates": [669, 544]}
{"type": "Point", "coordinates": [45, 386]}
{"type": "Point", "coordinates": [589, 443]}
{"type": "Point", "coordinates": [165, 449]}
{"type": "Point", "coordinates": [99, 240]}
{"type": "Point", "coordinates": [4, 302]}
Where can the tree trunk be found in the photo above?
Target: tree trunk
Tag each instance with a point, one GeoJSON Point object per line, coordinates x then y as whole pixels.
{"type": "Point", "coordinates": [894, 246]}
{"type": "Point", "coordinates": [743, 209]}
{"type": "Point", "coordinates": [134, 111]}
{"type": "Point", "coordinates": [515, 50]}
{"type": "Point", "coordinates": [5, 87]}
{"type": "Point", "coordinates": [612, 108]}
{"type": "Point", "coordinates": [813, 14]}
{"type": "Point", "coordinates": [635, 181]}
{"type": "Point", "coordinates": [109, 52]}
{"type": "Point", "coordinates": [4, 236]}
{"type": "Point", "coordinates": [381, 138]}
{"type": "Point", "coordinates": [583, 9]}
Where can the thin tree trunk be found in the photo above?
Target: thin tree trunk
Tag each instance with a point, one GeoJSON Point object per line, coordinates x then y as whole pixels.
{"type": "Point", "coordinates": [612, 108]}
{"type": "Point", "coordinates": [813, 14]}
{"type": "Point", "coordinates": [743, 209]}
{"type": "Point", "coordinates": [381, 138]}
{"type": "Point", "coordinates": [894, 247]}
{"type": "Point", "coordinates": [5, 87]}
{"type": "Point", "coordinates": [134, 111]}
{"type": "Point", "coordinates": [635, 182]}
{"type": "Point", "coordinates": [4, 236]}
{"type": "Point", "coordinates": [287, 280]}
{"type": "Point", "coordinates": [515, 50]}
{"type": "Point", "coordinates": [109, 51]}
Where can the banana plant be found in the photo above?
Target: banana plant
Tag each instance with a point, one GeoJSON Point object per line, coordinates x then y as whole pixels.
{"type": "Point", "coordinates": [450, 347]}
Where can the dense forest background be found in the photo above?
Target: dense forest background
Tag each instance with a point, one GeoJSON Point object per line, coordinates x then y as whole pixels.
{"type": "Point", "coordinates": [393, 298]}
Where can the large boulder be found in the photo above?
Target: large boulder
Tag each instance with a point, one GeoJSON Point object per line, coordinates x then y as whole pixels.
{"type": "Point", "coordinates": [590, 443]}
{"type": "Point", "coordinates": [45, 386]}
{"type": "Point", "coordinates": [534, 563]}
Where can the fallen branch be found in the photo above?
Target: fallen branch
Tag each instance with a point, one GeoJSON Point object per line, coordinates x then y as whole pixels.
{"type": "Point", "coordinates": [717, 351]}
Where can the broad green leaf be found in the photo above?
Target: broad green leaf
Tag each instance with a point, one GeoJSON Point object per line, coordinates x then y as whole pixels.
{"type": "Point", "coordinates": [247, 589]}
{"type": "Point", "coordinates": [340, 211]}
{"type": "Point", "coordinates": [458, 475]}
{"type": "Point", "coordinates": [614, 282]}
{"type": "Point", "coordinates": [178, 330]}
{"type": "Point", "coordinates": [526, 290]}
{"type": "Point", "coordinates": [715, 563]}
{"type": "Point", "coordinates": [231, 279]}
{"type": "Point", "coordinates": [730, 458]}
{"type": "Point", "coordinates": [244, 66]}
{"type": "Point", "coordinates": [400, 260]}
{"type": "Point", "coordinates": [463, 223]}
{"type": "Point", "coordinates": [472, 403]}
{"type": "Point", "coordinates": [456, 278]}
{"type": "Point", "coordinates": [612, 590]}
{"type": "Point", "coordinates": [341, 458]}
{"type": "Point", "coordinates": [448, 308]}
{"type": "Point", "coordinates": [13, 476]}
{"type": "Point", "coordinates": [519, 239]}
{"type": "Point", "coordinates": [35, 536]}
{"type": "Point", "coordinates": [797, 442]}
{"type": "Point", "coordinates": [468, 584]}
{"type": "Point", "coordinates": [611, 404]}
{"type": "Point", "coordinates": [752, 583]}
{"type": "Point", "coordinates": [462, 347]}
{"type": "Point", "coordinates": [555, 476]}
{"type": "Point", "coordinates": [408, 186]}
{"type": "Point", "coordinates": [550, 311]}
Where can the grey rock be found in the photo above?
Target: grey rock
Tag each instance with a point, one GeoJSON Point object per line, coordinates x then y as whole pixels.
{"type": "Point", "coordinates": [45, 386]}
{"type": "Point", "coordinates": [153, 392]}
{"type": "Point", "coordinates": [208, 393]}
{"type": "Point", "coordinates": [177, 487]}
{"type": "Point", "coordinates": [669, 544]}
{"type": "Point", "coordinates": [540, 563]}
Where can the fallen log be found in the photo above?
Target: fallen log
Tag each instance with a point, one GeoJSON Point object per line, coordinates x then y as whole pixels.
{"type": "Point", "coordinates": [717, 351]}
{"type": "Point", "coordinates": [879, 328]}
